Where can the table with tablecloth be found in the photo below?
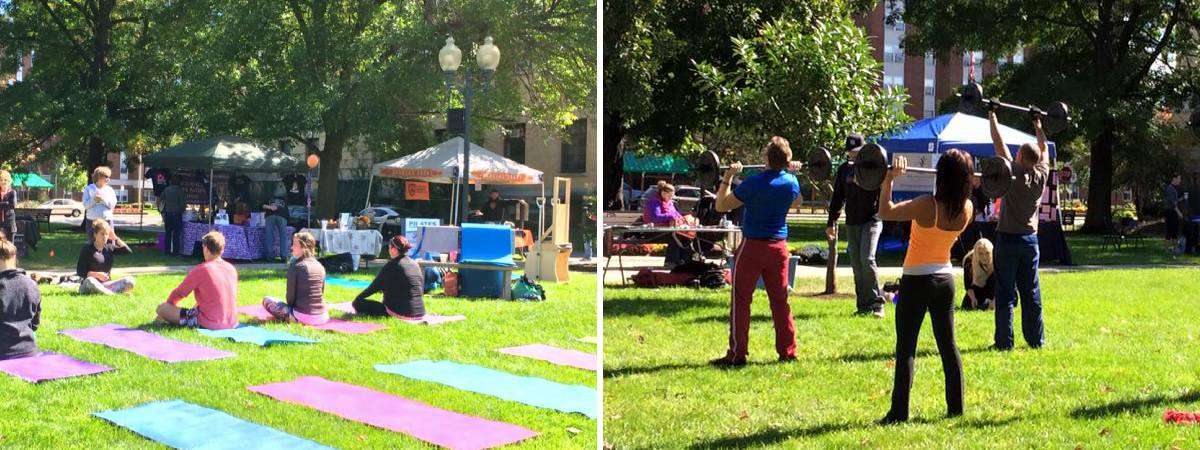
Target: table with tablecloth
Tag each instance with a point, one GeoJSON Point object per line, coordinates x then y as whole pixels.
{"type": "Point", "coordinates": [241, 242]}
{"type": "Point", "coordinates": [1052, 242]}
{"type": "Point", "coordinates": [354, 242]}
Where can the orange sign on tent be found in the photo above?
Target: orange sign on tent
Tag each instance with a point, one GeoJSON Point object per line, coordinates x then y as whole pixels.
{"type": "Point", "coordinates": [416, 190]}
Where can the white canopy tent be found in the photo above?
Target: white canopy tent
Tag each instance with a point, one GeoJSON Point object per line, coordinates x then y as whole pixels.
{"type": "Point", "coordinates": [441, 164]}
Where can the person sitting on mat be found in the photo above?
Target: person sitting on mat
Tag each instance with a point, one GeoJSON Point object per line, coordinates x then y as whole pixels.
{"type": "Point", "coordinates": [213, 283]}
{"type": "Point", "coordinates": [402, 283]}
{"type": "Point", "coordinates": [304, 300]}
{"type": "Point", "coordinates": [927, 283]}
{"type": "Point", "coordinates": [979, 277]}
{"type": "Point", "coordinates": [20, 306]}
{"type": "Point", "coordinates": [96, 259]}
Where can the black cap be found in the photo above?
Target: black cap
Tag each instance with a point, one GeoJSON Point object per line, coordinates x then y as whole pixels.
{"type": "Point", "coordinates": [854, 141]}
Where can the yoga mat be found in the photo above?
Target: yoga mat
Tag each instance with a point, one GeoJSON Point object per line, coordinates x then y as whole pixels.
{"type": "Point", "coordinates": [347, 307]}
{"type": "Point", "coordinates": [179, 424]}
{"type": "Point", "coordinates": [257, 311]}
{"type": "Point", "coordinates": [146, 344]}
{"type": "Point", "coordinates": [587, 339]}
{"type": "Point", "coordinates": [560, 356]}
{"type": "Point", "coordinates": [435, 319]}
{"type": "Point", "coordinates": [419, 420]}
{"type": "Point", "coordinates": [531, 391]}
{"type": "Point", "coordinates": [49, 366]}
{"type": "Point", "coordinates": [346, 283]}
{"type": "Point", "coordinates": [257, 335]}
{"type": "Point", "coordinates": [338, 325]}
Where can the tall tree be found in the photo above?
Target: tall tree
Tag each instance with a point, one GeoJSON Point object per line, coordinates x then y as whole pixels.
{"type": "Point", "coordinates": [1112, 61]}
{"type": "Point", "coordinates": [366, 71]}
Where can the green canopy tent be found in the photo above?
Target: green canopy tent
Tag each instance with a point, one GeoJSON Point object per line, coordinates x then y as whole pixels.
{"type": "Point", "coordinates": [31, 181]}
{"type": "Point", "coordinates": [223, 153]}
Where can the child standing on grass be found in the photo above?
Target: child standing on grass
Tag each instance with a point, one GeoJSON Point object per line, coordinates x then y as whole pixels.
{"type": "Point", "coordinates": [95, 262]}
{"type": "Point", "coordinates": [214, 283]}
{"type": "Point", "coordinates": [402, 283]}
{"type": "Point", "coordinates": [304, 300]}
{"type": "Point", "coordinates": [20, 306]}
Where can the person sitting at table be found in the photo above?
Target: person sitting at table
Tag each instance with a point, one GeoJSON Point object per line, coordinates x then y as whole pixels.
{"type": "Point", "coordinates": [979, 277]}
{"type": "Point", "coordinates": [213, 283]}
{"type": "Point", "coordinates": [402, 283]}
{"type": "Point", "coordinates": [20, 306]}
{"type": "Point", "coordinates": [241, 214]}
{"type": "Point", "coordinates": [276, 245]}
{"type": "Point", "coordinates": [95, 262]}
{"type": "Point", "coordinates": [660, 211]}
{"type": "Point", "coordinates": [304, 299]}
{"type": "Point", "coordinates": [492, 209]}
{"type": "Point", "coordinates": [8, 205]}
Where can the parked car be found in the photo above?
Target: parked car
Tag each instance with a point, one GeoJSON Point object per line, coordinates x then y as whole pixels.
{"type": "Point", "coordinates": [379, 213]}
{"type": "Point", "coordinates": [63, 206]}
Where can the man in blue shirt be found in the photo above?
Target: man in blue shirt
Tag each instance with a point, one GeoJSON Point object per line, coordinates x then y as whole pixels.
{"type": "Point", "coordinates": [767, 197]}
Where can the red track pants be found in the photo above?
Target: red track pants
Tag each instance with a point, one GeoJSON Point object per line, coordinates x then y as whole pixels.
{"type": "Point", "coordinates": [767, 259]}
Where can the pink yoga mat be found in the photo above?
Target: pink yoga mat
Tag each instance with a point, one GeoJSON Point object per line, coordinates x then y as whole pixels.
{"type": "Point", "coordinates": [49, 366]}
{"type": "Point", "coordinates": [347, 307]}
{"type": "Point", "coordinates": [427, 423]}
{"type": "Point", "coordinates": [146, 344]}
{"type": "Point", "coordinates": [560, 356]}
{"type": "Point", "coordinates": [338, 325]}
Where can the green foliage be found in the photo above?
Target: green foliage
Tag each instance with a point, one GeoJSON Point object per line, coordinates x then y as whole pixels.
{"type": "Point", "coordinates": [811, 81]}
{"type": "Point", "coordinates": [1124, 211]}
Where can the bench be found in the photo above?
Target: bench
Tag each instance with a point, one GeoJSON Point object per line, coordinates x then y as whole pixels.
{"type": "Point", "coordinates": [36, 215]}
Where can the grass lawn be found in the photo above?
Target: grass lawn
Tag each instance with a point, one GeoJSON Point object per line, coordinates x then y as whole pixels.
{"type": "Point", "coordinates": [1120, 350]}
{"type": "Point", "coordinates": [1085, 248]}
{"type": "Point", "coordinates": [65, 243]}
{"type": "Point", "coordinates": [56, 414]}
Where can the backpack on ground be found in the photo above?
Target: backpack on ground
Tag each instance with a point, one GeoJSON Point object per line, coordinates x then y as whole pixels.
{"type": "Point", "coordinates": [526, 289]}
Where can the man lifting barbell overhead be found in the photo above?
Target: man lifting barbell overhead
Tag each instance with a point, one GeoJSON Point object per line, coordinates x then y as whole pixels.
{"type": "Point", "coordinates": [863, 228]}
{"type": "Point", "coordinates": [1016, 255]}
{"type": "Point", "coordinates": [767, 197]}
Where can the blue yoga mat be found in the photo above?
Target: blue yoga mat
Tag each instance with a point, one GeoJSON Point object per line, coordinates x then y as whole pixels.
{"type": "Point", "coordinates": [179, 424]}
{"type": "Point", "coordinates": [342, 282]}
{"type": "Point", "coordinates": [531, 391]}
{"type": "Point", "coordinates": [487, 244]}
{"type": "Point", "coordinates": [257, 335]}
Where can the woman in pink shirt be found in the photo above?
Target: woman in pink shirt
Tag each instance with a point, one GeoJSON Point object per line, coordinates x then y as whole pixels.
{"type": "Point", "coordinates": [213, 283]}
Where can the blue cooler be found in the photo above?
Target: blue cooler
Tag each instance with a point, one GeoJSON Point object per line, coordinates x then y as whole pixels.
{"type": "Point", "coordinates": [480, 283]}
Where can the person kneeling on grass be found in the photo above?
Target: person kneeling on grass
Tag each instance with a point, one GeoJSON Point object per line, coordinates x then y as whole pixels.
{"type": "Point", "coordinates": [979, 277]}
{"type": "Point", "coordinates": [95, 262]}
{"type": "Point", "coordinates": [304, 301]}
{"type": "Point", "coordinates": [402, 282]}
{"type": "Point", "coordinates": [213, 283]}
{"type": "Point", "coordinates": [20, 306]}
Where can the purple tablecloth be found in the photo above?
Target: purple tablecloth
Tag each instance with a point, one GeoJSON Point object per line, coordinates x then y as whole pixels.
{"type": "Point", "coordinates": [241, 242]}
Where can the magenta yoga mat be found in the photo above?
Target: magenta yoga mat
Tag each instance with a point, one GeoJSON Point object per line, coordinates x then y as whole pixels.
{"type": "Point", "coordinates": [419, 420]}
{"type": "Point", "coordinates": [337, 325]}
{"type": "Point", "coordinates": [49, 366]}
{"type": "Point", "coordinates": [146, 344]}
{"type": "Point", "coordinates": [555, 355]}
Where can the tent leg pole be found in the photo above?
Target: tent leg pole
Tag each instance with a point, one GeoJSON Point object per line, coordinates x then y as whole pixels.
{"type": "Point", "coordinates": [369, 184]}
{"type": "Point", "coordinates": [212, 213]}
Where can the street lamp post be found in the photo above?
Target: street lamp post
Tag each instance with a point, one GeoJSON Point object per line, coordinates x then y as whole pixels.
{"type": "Point", "coordinates": [487, 56]}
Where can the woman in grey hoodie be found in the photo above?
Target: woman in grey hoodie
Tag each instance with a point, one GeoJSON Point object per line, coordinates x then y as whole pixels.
{"type": "Point", "coordinates": [20, 306]}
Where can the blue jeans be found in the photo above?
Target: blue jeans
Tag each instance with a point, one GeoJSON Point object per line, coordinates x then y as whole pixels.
{"type": "Point", "coordinates": [276, 235]}
{"type": "Point", "coordinates": [173, 227]}
{"type": "Point", "coordinates": [861, 242]}
{"type": "Point", "coordinates": [1016, 261]}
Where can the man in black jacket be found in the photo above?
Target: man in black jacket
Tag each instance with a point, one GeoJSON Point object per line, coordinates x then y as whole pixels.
{"type": "Point", "coordinates": [862, 229]}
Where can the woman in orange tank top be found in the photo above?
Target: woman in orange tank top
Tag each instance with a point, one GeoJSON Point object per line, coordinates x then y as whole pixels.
{"type": "Point", "coordinates": [927, 283]}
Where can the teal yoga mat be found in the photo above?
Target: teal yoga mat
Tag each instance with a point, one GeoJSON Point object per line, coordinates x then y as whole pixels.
{"type": "Point", "coordinates": [257, 335]}
{"type": "Point", "coordinates": [347, 283]}
{"type": "Point", "coordinates": [179, 424]}
{"type": "Point", "coordinates": [531, 391]}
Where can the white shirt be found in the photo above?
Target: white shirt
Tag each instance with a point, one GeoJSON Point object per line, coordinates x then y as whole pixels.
{"type": "Point", "coordinates": [99, 201]}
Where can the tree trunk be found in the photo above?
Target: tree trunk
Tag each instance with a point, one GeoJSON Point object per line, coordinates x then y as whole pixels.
{"type": "Point", "coordinates": [614, 135]}
{"type": "Point", "coordinates": [331, 164]}
{"type": "Point", "coordinates": [1100, 185]}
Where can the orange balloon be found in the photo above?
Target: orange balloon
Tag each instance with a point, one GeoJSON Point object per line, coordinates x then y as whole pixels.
{"type": "Point", "coordinates": [313, 160]}
{"type": "Point", "coordinates": [51, 253]}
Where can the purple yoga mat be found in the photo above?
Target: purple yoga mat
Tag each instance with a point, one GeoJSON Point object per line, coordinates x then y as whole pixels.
{"type": "Point", "coordinates": [347, 307]}
{"type": "Point", "coordinates": [49, 366]}
{"type": "Point", "coordinates": [338, 325]}
{"type": "Point", "coordinates": [427, 423]}
{"type": "Point", "coordinates": [560, 356]}
{"type": "Point", "coordinates": [146, 344]}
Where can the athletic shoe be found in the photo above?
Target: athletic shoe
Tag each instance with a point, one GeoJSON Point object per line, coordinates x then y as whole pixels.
{"type": "Point", "coordinates": [787, 359]}
{"type": "Point", "coordinates": [889, 419]}
{"type": "Point", "coordinates": [727, 362]}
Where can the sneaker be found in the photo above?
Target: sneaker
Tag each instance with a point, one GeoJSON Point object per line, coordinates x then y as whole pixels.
{"type": "Point", "coordinates": [998, 348]}
{"type": "Point", "coordinates": [727, 362]}
{"type": "Point", "coordinates": [889, 419]}
{"type": "Point", "coordinates": [787, 359]}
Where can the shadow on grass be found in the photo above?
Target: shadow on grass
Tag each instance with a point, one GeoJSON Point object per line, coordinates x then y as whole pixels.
{"type": "Point", "coordinates": [635, 370]}
{"type": "Point", "coordinates": [891, 354]}
{"type": "Point", "coordinates": [644, 306]}
{"type": "Point", "coordinates": [724, 318]}
{"type": "Point", "coordinates": [1132, 405]}
{"type": "Point", "coordinates": [774, 437]}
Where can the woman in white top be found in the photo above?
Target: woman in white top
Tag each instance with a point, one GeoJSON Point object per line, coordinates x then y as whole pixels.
{"type": "Point", "coordinates": [99, 199]}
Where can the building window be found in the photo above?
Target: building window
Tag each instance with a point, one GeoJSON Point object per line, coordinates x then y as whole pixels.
{"type": "Point", "coordinates": [574, 148]}
{"type": "Point", "coordinates": [514, 142]}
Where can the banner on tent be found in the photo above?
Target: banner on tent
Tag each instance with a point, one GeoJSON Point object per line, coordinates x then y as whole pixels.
{"type": "Point", "coordinates": [917, 182]}
{"type": "Point", "coordinates": [416, 190]}
{"type": "Point", "coordinates": [491, 176]}
{"type": "Point", "coordinates": [195, 185]}
{"type": "Point", "coordinates": [400, 172]}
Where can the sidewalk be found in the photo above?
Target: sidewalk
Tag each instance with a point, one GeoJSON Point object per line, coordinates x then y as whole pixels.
{"type": "Point", "coordinates": [635, 263]}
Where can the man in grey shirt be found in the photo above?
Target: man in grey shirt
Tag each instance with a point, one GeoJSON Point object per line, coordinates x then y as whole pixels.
{"type": "Point", "coordinates": [1016, 255]}
{"type": "Point", "coordinates": [1172, 214]}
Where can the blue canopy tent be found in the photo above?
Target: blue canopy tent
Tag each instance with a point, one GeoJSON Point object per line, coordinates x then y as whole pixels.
{"type": "Point", "coordinates": [936, 135]}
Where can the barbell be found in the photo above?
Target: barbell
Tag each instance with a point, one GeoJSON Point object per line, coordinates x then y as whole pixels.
{"type": "Point", "coordinates": [972, 101]}
{"type": "Point", "coordinates": [708, 167]}
{"type": "Point", "coordinates": [871, 165]}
